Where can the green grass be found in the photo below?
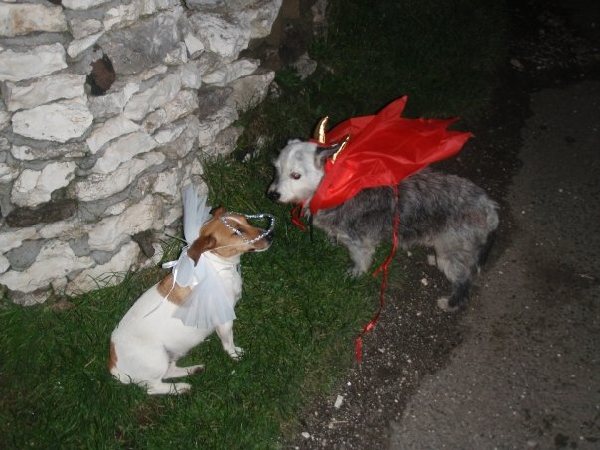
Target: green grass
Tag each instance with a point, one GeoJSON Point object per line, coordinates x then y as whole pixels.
{"type": "Point", "coordinates": [55, 390]}
{"type": "Point", "coordinates": [299, 313]}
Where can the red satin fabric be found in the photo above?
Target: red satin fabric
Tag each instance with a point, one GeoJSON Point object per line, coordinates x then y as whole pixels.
{"type": "Point", "coordinates": [383, 149]}
{"type": "Point", "coordinates": [296, 217]}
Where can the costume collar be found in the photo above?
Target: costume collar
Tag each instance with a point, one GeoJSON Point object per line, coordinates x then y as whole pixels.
{"type": "Point", "coordinates": [233, 261]}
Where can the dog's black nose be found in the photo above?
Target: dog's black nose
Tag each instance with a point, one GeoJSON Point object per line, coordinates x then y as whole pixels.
{"type": "Point", "coordinates": [273, 195]}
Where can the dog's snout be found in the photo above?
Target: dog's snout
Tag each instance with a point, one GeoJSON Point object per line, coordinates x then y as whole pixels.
{"type": "Point", "coordinates": [274, 195]}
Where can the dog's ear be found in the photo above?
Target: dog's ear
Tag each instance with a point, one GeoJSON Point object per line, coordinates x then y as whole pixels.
{"type": "Point", "coordinates": [200, 245]}
{"type": "Point", "coordinates": [218, 211]}
{"type": "Point", "coordinates": [323, 153]}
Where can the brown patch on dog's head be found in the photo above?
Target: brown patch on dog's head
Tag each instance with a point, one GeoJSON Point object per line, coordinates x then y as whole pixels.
{"type": "Point", "coordinates": [218, 211]}
{"type": "Point", "coordinates": [112, 357]}
{"type": "Point", "coordinates": [225, 241]}
{"type": "Point", "coordinates": [200, 245]}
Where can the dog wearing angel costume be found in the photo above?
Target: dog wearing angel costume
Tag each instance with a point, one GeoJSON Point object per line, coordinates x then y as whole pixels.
{"type": "Point", "coordinates": [196, 299]}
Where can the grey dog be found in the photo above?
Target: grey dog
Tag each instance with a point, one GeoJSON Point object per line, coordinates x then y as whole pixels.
{"type": "Point", "coordinates": [448, 213]}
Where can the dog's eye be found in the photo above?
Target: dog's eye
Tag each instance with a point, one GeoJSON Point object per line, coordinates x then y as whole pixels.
{"type": "Point", "coordinates": [295, 175]}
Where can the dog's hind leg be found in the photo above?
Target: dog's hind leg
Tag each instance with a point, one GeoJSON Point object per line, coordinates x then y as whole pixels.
{"type": "Point", "coordinates": [485, 249]}
{"type": "Point", "coordinates": [458, 298]}
{"type": "Point", "coordinates": [146, 366]}
{"type": "Point", "coordinates": [159, 387]}
{"type": "Point", "coordinates": [176, 372]}
{"type": "Point", "coordinates": [458, 262]}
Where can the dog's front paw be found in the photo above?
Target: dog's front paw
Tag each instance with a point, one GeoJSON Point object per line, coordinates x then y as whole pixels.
{"type": "Point", "coordinates": [236, 354]}
{"type": "Point", "coordinates": [355, 272]}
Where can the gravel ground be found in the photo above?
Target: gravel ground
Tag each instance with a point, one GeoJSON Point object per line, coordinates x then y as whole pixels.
{"type": "Point", "coordinates": [519, 368]}
{"type": "Point", "coordinates": [528, 372]}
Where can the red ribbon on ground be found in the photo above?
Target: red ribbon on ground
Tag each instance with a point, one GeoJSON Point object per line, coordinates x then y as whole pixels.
{"type": "Point", "coordinates": [296, 219]}
{"type": "Point", "coordinates": [384, 269]}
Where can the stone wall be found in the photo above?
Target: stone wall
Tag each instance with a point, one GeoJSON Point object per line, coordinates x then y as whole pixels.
{"type": "Point", "coordinates": [106, 108]}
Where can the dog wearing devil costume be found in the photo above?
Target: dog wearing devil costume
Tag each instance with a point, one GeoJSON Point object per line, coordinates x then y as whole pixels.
{"type": "Point", "coordinates": [367, 180]}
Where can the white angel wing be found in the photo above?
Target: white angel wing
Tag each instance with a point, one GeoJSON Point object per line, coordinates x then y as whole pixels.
{"type": "Point", "coordinates": [183, 271]}
{"type": "Point", "coordinates": [195, 212]}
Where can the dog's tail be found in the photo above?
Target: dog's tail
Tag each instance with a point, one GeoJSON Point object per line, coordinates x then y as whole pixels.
{"type": "Point", "coordinates": [112, 360]}
{"type": "Point", "coordinates": [484, 251]}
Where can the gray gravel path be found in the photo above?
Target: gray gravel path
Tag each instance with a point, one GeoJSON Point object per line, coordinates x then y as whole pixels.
{"type": "Point", "coordinates": [527, 374]}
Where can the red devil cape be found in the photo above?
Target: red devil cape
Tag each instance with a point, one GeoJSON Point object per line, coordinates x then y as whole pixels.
{"type": "Point", "coordinates": [383, 149]}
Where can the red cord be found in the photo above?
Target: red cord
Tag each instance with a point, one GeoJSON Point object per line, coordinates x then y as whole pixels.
{"type": "Point", "coordinates": [296, 214]}
{"type": "Point", "coordinates": [384, 269]}
{"type": "Point", "coordinates": [296, 218]}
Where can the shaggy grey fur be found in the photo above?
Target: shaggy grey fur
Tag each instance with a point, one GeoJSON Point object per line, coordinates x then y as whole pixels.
{"type": "Point", "coordinates": [448, 213]}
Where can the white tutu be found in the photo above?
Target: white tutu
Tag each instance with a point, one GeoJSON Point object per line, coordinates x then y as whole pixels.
{"type": "Point", "coordinates": [209, 303]}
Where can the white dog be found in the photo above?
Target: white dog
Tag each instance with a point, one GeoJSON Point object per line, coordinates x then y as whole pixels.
{"type": "Point", "coordinates": [192, 302]}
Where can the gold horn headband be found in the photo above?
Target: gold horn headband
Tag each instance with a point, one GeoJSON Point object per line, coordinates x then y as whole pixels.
{"type": "Point", "coordinates": [319, 136]}
{"type": "Point", "coordinates": [342, 145]}
{"type": "Point", "coordinates": [320, 130]}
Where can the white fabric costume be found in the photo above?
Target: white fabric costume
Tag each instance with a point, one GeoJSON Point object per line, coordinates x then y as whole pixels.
{"type": "Point", "coordinates": [212, 300]}
{"type": "Point", "coordinates": [216, 282]}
